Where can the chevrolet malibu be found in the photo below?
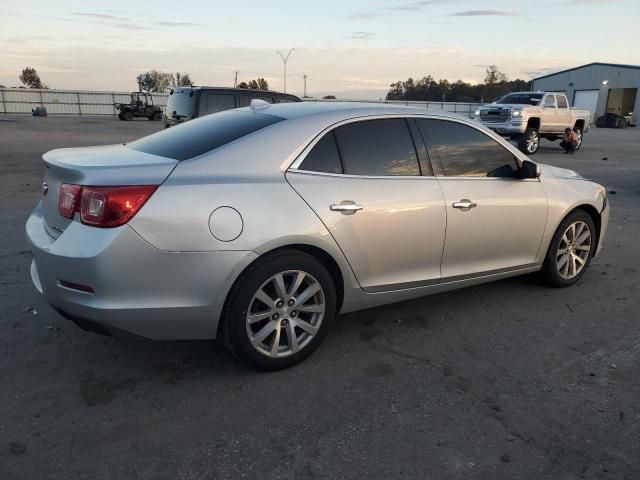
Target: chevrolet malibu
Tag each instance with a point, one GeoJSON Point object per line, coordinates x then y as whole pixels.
{"type": "Point", "coordinates": [259, 225]}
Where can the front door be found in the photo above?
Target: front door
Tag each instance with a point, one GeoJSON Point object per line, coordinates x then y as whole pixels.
{"type": "Point", "coordinates": [495, 221]}
{"type": "Point", "coordinates": [363, 181]}
{"type": "Point", "coordinates": [563, 114]}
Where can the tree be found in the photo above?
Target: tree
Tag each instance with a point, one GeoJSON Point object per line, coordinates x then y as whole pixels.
{"type": "Point", "coordinates": [243, 85]}
{"type": "Point", "coordinates": [30, 78]}
{"type": "Point", "coordinates": [181, 80]}
{"type": "Point", "coordinates": [156, 81]}
{"type": "Point", "coordinates": [329, 97]}
{"type": "Point", "coordinates": [257, 84]}
{"type": "Point", "coordinates": [494, 76]}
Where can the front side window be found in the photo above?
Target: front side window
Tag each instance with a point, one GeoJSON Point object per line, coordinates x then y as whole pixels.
{"type": "Point", "coordinates": [377, 148]}
{"type": "Point", "coordinates": [549, 101]}
{"type": "Point", "coordinates": [220, 102]}
{"type": "Point", "coordinates": [324, 156]}
{"type": "Point", "coordinates": [464, 151]}
{"type": "Point", "coordinates": [562, 101]}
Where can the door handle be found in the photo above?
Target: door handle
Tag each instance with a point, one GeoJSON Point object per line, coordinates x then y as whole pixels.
{"type": "Point", "coordinates": [465, 204]}
{"type": "Point", "coordinates": [346, 208]}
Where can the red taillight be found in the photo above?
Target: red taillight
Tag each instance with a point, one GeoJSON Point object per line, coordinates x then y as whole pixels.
{"type": "Point", "coordinates": [69, 200]}
{"type": "Point", "coordinates": [112, 206]}
{"type": "Point", "coordinates": [103, 206]}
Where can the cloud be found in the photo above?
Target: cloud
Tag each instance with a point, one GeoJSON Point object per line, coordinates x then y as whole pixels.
{"type": "Point", "coordinates": [364, 15]}
{"type": "Point", "coordinates": [587, 2]}
{"type": "Point", "coordinates": [363, 36]}
{"type": "Point", "coordinates": [413, 6]}
{"type": "Point", "coordinates": [179, 24]}
{"type": "Point", "coordinates": [129, 26]}
{"type": "Point", "coordinates": [101, 16]}
{"type": "Point", "coordinates": [484, 13]}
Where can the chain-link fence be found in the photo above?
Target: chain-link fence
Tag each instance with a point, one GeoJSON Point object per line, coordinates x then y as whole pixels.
{"type": "Point", "coordinates": [67, 102]}
{"type": "Point", "coordinates": [82, 102]}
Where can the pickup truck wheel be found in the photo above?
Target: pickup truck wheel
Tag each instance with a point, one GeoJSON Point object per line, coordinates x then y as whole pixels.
{"type": "Point", "coordinates": [578, 131]}
{"type": "Point", "coordinates": [529, 142]}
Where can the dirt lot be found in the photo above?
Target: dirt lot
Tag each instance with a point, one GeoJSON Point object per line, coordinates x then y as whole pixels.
{"type": "Point", "coordinates": [508, 380]}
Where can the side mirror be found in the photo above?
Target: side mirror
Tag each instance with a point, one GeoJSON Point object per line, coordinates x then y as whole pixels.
{"type": "Point", "coordinates": [529, 169]}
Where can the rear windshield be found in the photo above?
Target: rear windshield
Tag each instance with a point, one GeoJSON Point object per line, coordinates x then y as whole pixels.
{"type": "Point", "coordinates": [180, 104]}
{"type": "Point", "coordinates": [521, 99]}
{"type": "Point", "coordinates": [203, 134]}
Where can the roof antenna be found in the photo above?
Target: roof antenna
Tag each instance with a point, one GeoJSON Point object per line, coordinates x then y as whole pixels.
{"type": "Point", "coordinates": [257, 104]}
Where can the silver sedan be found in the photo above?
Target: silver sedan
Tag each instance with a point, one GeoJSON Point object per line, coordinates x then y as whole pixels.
{"type": "Point", "coordinates": [259, 225]}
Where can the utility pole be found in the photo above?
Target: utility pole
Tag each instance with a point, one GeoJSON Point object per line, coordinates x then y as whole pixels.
{"type": "Point", "coordinates": [305, 85]}
{"type": "Point", "coordinates": [235, 82]}
{"type": "Point", "coordinates": [284, 60]}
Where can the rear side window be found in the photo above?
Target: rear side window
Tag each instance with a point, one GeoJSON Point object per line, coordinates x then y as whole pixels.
{"type": "Point", "coordinates": [562, 101]}
{"type": "Point", "coordinates": [203, 134]}
{"type": "Point", "coordinates": [549, 101]}
{"type": "Point", "coordinates": [378, 148]}
{"type": "Point", "coordinates": [464, 151]}
{"type": "Point", "coordinates": [285, 100]}
{"type": "Point", "coordinates": [324, 156]}
{"type": "Point", "coordinates": [220, 103]}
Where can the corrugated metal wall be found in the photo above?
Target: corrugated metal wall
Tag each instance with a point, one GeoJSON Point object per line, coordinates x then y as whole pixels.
{"type": "Point", "coordinates": [66, 102]}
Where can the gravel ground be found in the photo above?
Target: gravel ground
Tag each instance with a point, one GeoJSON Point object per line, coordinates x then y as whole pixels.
{"type": "Point", "coordinates": [509, 380]}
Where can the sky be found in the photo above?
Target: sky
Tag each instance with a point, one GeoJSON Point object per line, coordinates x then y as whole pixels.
{"type": "Point", "coordinates": [351, 49]}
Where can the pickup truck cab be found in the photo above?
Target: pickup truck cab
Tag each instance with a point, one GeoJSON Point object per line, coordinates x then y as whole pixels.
{"type": "Point", "coordinates": [187, 103]}
{"type": "Point", "coordinates": [526, 117]}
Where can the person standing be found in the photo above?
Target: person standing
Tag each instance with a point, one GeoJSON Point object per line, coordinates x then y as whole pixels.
{"type": "Point", "coordinates": [569, 141]}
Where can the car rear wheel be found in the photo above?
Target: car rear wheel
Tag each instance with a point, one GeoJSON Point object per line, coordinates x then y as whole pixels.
{"type": "Point", "coordinates": [279, 310]}
{"type": "Point", "coordinates": [529, 141]}
{"type": "Point", "coordinates": [570, 251]}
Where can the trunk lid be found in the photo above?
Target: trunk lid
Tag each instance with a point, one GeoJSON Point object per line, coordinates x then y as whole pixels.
{"type": "Point", "coordinates": [108, 165]}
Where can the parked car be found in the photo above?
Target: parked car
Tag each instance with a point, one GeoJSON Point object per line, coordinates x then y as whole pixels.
{"type": "Point", "coordinates": [187, 103]}
{"type": "Point", "coordinates": [526, 117]}
{"type": "Point", "coordinates": [259, 225]}
{"type": "Point", "coordinates": [611, 120]}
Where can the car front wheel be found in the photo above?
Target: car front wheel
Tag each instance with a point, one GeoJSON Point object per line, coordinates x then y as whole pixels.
{"type": "Point", "coordinates": [570, 251]}
{"type": "Point", "coordinates": [279, 310]}
{"type": "Point", "coordinates": [529, 141]}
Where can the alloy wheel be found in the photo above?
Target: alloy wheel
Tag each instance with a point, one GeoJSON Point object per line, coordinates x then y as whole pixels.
{"type": "Point", "coordinates": [532, 142]}
{"type": "Point", "coordinates": [285, 313]}
{"type": "Point", "coordinates": [573, 250]}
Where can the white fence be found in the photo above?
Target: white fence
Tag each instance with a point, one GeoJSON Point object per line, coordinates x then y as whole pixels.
{"type": "Point", "coordinates": [84, 102]}
{"type": "Point", "coordinates": [66, 102]}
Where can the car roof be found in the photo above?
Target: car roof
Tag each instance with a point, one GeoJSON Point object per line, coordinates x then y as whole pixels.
{"type": "Point", "coordinates": [345, 110]}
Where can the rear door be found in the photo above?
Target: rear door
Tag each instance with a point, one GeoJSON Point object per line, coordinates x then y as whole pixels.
{"type": "Point", "coordinates": [549, 122]}
{"type": "Point", "coordinates": [363, 180]}
{"type": "Point", "coordinates": [563, 114]}
{"type": "Point", "coordinates": [495, 222]}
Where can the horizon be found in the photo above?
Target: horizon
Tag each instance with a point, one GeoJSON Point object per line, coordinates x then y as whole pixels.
{"type": "Point", "coordinates": [353, 51]}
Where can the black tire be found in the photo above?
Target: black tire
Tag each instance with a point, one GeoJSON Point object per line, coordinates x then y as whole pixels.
{"type": "Point", "coordinates": [120, 116]}
{"type": "Point", "coordinates": [529, 141]}
{"type": "Point", "coordinates": [128, 116]}
{"type": "Point", "coordinates": [233, 322]}
{"type": "Point", "coordinates": [550, 273]}
{"type": "Point", "coordinates": [157, 117]}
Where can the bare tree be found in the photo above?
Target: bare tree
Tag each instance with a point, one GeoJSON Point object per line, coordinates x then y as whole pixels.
{"type": "Point", "coordinates": [181, 80]}
{"type": "Point", "coordinates": [494, 76]}
{"type": "Point", "coordinates": [30, 78]}
{"type": "Point", "coordinates": [257, 84]}
{"type": "Point", "coordinates": [156, 81]}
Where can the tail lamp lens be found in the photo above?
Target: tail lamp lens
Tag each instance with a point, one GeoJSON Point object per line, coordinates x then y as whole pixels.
{"type": "Point", "coordinates": [68, 200]}
{"type": "Point", "coordinates": [106, 206]}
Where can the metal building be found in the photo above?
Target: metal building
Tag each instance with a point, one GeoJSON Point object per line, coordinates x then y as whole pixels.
{"type": "Point", "coordinates": [598, 87]}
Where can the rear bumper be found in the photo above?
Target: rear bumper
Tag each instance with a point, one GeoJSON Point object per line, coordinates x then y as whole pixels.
{"type": "Point", "coordinates": [136, 288]}
{"type": "Point", "coordinates": [604, 224]}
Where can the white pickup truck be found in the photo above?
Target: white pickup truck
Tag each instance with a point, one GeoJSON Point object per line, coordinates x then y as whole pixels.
{"type": "Point", "coordinates": [526, 117]}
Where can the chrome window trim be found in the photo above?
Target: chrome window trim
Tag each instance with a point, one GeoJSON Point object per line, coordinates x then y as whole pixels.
{"type": "Point", "coordinates": [346, 175]}
{"type": "Point", "coordinates": [519, 156]}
